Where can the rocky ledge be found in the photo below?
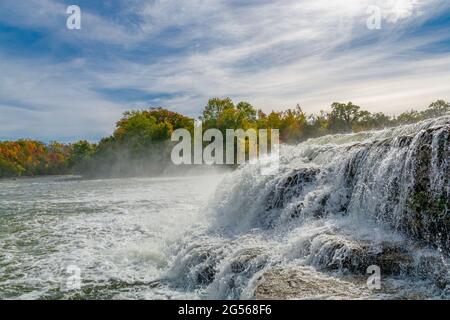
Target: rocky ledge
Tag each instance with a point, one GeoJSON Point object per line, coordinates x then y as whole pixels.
{"type": "Point", "coordinates": [306, 283]}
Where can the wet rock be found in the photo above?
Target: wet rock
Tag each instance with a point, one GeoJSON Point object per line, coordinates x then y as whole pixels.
{"type": "Point", "coordinates": [404, 141]}
{"type": "Point", "coordinates": [235, 275]}
{"type": "Point", "coordinates": [248, 258]}
{"type": "Point", "coordinates": [427, 215]}
{"type": "Point", "coordinates": [392, 259]}
{"type": "Point", "coordinates": [197, 264]}
{"type": "Point", "coordinates": [290, 187]}
{"type": "Point", "coordinates": [338, 253]}
{"type": "Point", "coordinates": [432, 266]}
{"type": "Point", "coordinates": [205, 267]}
{"type": "Point", "coordinates": [305, 283]}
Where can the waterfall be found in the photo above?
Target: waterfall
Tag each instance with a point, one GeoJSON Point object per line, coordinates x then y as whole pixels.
{"type": "Point", "coordinates": [338, 204]}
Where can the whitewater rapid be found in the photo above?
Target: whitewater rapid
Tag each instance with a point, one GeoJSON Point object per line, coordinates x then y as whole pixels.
{"type": "Point", "coordinates": [338, 205]}
{"type": "Point", "coordinates": [119, 234]}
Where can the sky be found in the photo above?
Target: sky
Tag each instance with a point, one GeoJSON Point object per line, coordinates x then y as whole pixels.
{"type": "Point", "coordinates": [66, 85]}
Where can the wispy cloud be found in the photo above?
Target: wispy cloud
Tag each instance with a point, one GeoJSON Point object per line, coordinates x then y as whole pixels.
{"type": "Point", "coordinates": [179, 53]}
{"type": "Point", "coordinates": [48, 102]}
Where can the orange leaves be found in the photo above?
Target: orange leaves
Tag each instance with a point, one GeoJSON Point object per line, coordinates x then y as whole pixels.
{"type": "Point", "coordinates": [29, 157]}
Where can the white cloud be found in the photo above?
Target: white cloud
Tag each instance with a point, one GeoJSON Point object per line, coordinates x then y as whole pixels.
{"type": "Point", "coordinates": [46, 101]}
{"type": "Point", "coordinates": [302, 53]}
{"type": "Point", "coordinates": [50, 15]}
{"type": "Point", "coordinates": [271, 53]}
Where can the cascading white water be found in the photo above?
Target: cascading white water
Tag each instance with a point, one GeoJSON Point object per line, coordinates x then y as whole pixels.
{"type": "Point", "coordinates": [337, 205]}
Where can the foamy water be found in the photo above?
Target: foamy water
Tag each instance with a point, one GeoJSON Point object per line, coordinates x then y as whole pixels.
{"type": "Point", "coordinates": [118, 232]}
{"type": "Point", "coordinates": [337, 205]}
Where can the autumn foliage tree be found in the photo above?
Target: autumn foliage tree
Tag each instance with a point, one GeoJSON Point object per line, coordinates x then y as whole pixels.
{"type": "Point", "coordinates": [141, 141]}
{"type": "Point", "coordinates": [29, 158]}
{"type": "Point", "coordinates": [140, 144]}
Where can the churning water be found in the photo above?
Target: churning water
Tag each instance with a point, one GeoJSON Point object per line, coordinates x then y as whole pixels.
{"type": "Point", "coordinates": [118, 232]}
{"type": "Point", "coordinates": [338, 205]}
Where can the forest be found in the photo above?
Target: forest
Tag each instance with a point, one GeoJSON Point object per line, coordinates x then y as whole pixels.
{"type": "Point", "coordinates": [140, 143]}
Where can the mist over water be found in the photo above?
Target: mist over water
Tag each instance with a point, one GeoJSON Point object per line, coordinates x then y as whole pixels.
{"type": "Point", "coordinates": [338, 205]}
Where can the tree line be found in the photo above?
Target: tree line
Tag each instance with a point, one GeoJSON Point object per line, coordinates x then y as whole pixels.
{"type": "Point", "coordinates": [141, 142]}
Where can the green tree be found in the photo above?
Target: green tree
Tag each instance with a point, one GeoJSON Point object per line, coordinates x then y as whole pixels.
{"type": "Point", "coordinates": [247, 111]}
{"type": "Point", "coordinates": [214, 109]}
{"type": "Point", "coordinates": [343, 116]}
{"type": "Point", "coordinates": [80, 155]}
{"type": "Point", "coordinates": [293, 125]}
{"type": "Point", "coordinates": [408, 117]}
{"type": "Point", "coordinates": [8, 169]}
{"type": "Point", "coordinates": [436, 109]}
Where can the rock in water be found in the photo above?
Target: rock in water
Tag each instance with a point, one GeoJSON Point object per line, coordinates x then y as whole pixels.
{"type": "Point", "coordinates": [305, 283]}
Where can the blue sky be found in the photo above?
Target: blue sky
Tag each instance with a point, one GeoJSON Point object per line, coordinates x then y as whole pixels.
{"type": "Point", "coordinates": [67, 85]}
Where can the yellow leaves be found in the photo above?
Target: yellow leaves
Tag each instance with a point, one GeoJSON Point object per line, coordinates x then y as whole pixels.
{"type": "Point", "coordinates": [31, 157]}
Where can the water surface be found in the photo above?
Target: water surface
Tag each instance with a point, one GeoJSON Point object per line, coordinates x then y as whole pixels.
{"type": "Point", "coordinates": [118, 232]}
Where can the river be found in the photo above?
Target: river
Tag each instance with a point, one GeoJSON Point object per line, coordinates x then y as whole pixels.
{"type": "Point", "coordinates": [118, 232]}
{"type": "Point", "coordinates": [350, 216]}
